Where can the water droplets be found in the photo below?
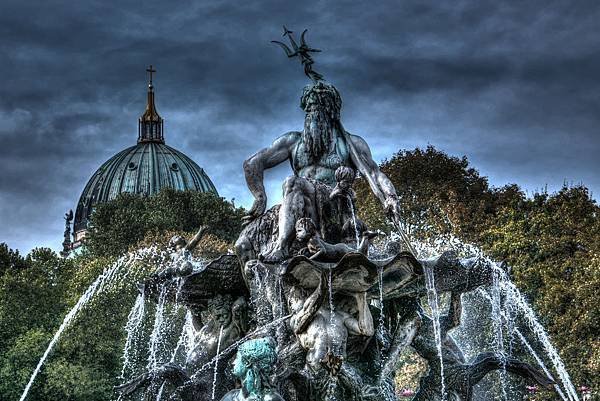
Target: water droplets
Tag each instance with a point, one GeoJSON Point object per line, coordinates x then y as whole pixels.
{"type": "Point", "coordinates": [132, 328]}
{"type": "Point", "coordinates": [432, 300]}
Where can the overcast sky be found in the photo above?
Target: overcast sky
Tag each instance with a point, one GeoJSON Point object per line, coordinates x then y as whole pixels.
{"type": "Point", "coordinates": [514, 86]}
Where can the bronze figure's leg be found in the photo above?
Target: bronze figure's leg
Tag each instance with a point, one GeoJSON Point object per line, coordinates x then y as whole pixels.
{"type": "Point", "coordinates": [298, 201]}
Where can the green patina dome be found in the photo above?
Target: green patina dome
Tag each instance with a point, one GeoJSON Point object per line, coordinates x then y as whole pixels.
{"type": "Point", "coordinates": [144, 169]}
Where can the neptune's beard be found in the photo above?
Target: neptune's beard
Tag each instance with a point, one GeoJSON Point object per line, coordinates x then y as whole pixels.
{"type": "Point", "coordinates": [317, 134]}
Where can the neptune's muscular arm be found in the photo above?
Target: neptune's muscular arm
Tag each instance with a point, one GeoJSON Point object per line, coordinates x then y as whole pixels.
{"type": "Point", "coordinates": [255, 166]}
{"type": "Point", "coordinates": [380, 184]}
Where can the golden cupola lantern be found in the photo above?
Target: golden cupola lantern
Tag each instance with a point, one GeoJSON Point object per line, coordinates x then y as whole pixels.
{"type": "Point", "coordinates": [150, 126]}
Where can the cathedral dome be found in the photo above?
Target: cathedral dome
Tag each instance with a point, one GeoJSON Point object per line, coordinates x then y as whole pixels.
{"type": "Point", "coordinates": [143, 169]}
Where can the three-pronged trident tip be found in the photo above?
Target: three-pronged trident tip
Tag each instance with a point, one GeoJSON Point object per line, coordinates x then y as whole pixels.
{"type": "Point", "coordinates": [303, 52]}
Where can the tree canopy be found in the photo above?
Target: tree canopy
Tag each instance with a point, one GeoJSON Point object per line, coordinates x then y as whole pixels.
{"type": "Point", "coordinates": [37, 291]}
{"type": "Point", "coordinates": [117, 226]}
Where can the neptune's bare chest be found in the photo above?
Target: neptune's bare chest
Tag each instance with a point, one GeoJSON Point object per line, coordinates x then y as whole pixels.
{"type": "Point", "coordinates": [306, 164]}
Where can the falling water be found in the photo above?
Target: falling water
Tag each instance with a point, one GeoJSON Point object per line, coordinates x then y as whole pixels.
{"type": "Point", "coordinates": [521, 304]}
{"type": "Point", "coordinates": [156, 335]}
{"type": "Point", "coordinates": [331, 305]}
{"type": "Point", "coordinates": [132, 327]}
{"type": "Point", "coordinates": [380, 279]}
{"type": "Point", "coordinates": [280, 330]}
{"type": "Point", "coordinates": [98, 286]}
{"type": "Point", "coordinates": [216, 358]}
{"type": "Point", "coordinates": [332, 384]}
{"type": "Point", "coordinates": [85, 298]}
{"type": "Point", "coordinates": [354, 221]}
{"type": "Point", "coordinates": [539, 361]}
{"type": "Point", "coordinates": [381, 326]}
{"type": "Point", "coordinates": [263, 309]}
{"type": "Point", "coordinates": [524, 341]}
{"type": "Point", "coordinates": [432, 299]}
{"type": "Point", "coordinates": [516, 302]}
{"type": "Point", "coordinates": [163, 322]}
{"type": "Point", "coordinates": [160, 392]}
{"type": "Point", "coordinates": [509, 315]}
{"type": "Point", "coordinates": [496, 317]}
{"type": "Point", "coordinates": [186, 338]}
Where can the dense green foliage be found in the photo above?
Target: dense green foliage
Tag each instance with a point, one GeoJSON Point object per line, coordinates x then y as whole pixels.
{"type": "Point", "coordinates": [118, 225]}
{"type": "Point", "coordinates": [552, 241]}
{"type": "Point", "coordinates": [439, 194]}
{"type": "Point", "coordinates": [34, 298]}
{"type": "Point", "coordinates": [37, 291]}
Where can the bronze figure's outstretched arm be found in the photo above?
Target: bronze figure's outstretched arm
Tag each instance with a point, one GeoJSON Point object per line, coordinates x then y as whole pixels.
{"type": "Point", "coordinates": [194, 241]}
{"type": "Point", "coordinates": [380, 184]}
{"type": "Point", "coordinates": [255, 166]}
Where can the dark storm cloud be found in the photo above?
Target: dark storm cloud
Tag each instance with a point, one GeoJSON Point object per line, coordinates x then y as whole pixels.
{"type": "Point", "coordinates": [513, 86]}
